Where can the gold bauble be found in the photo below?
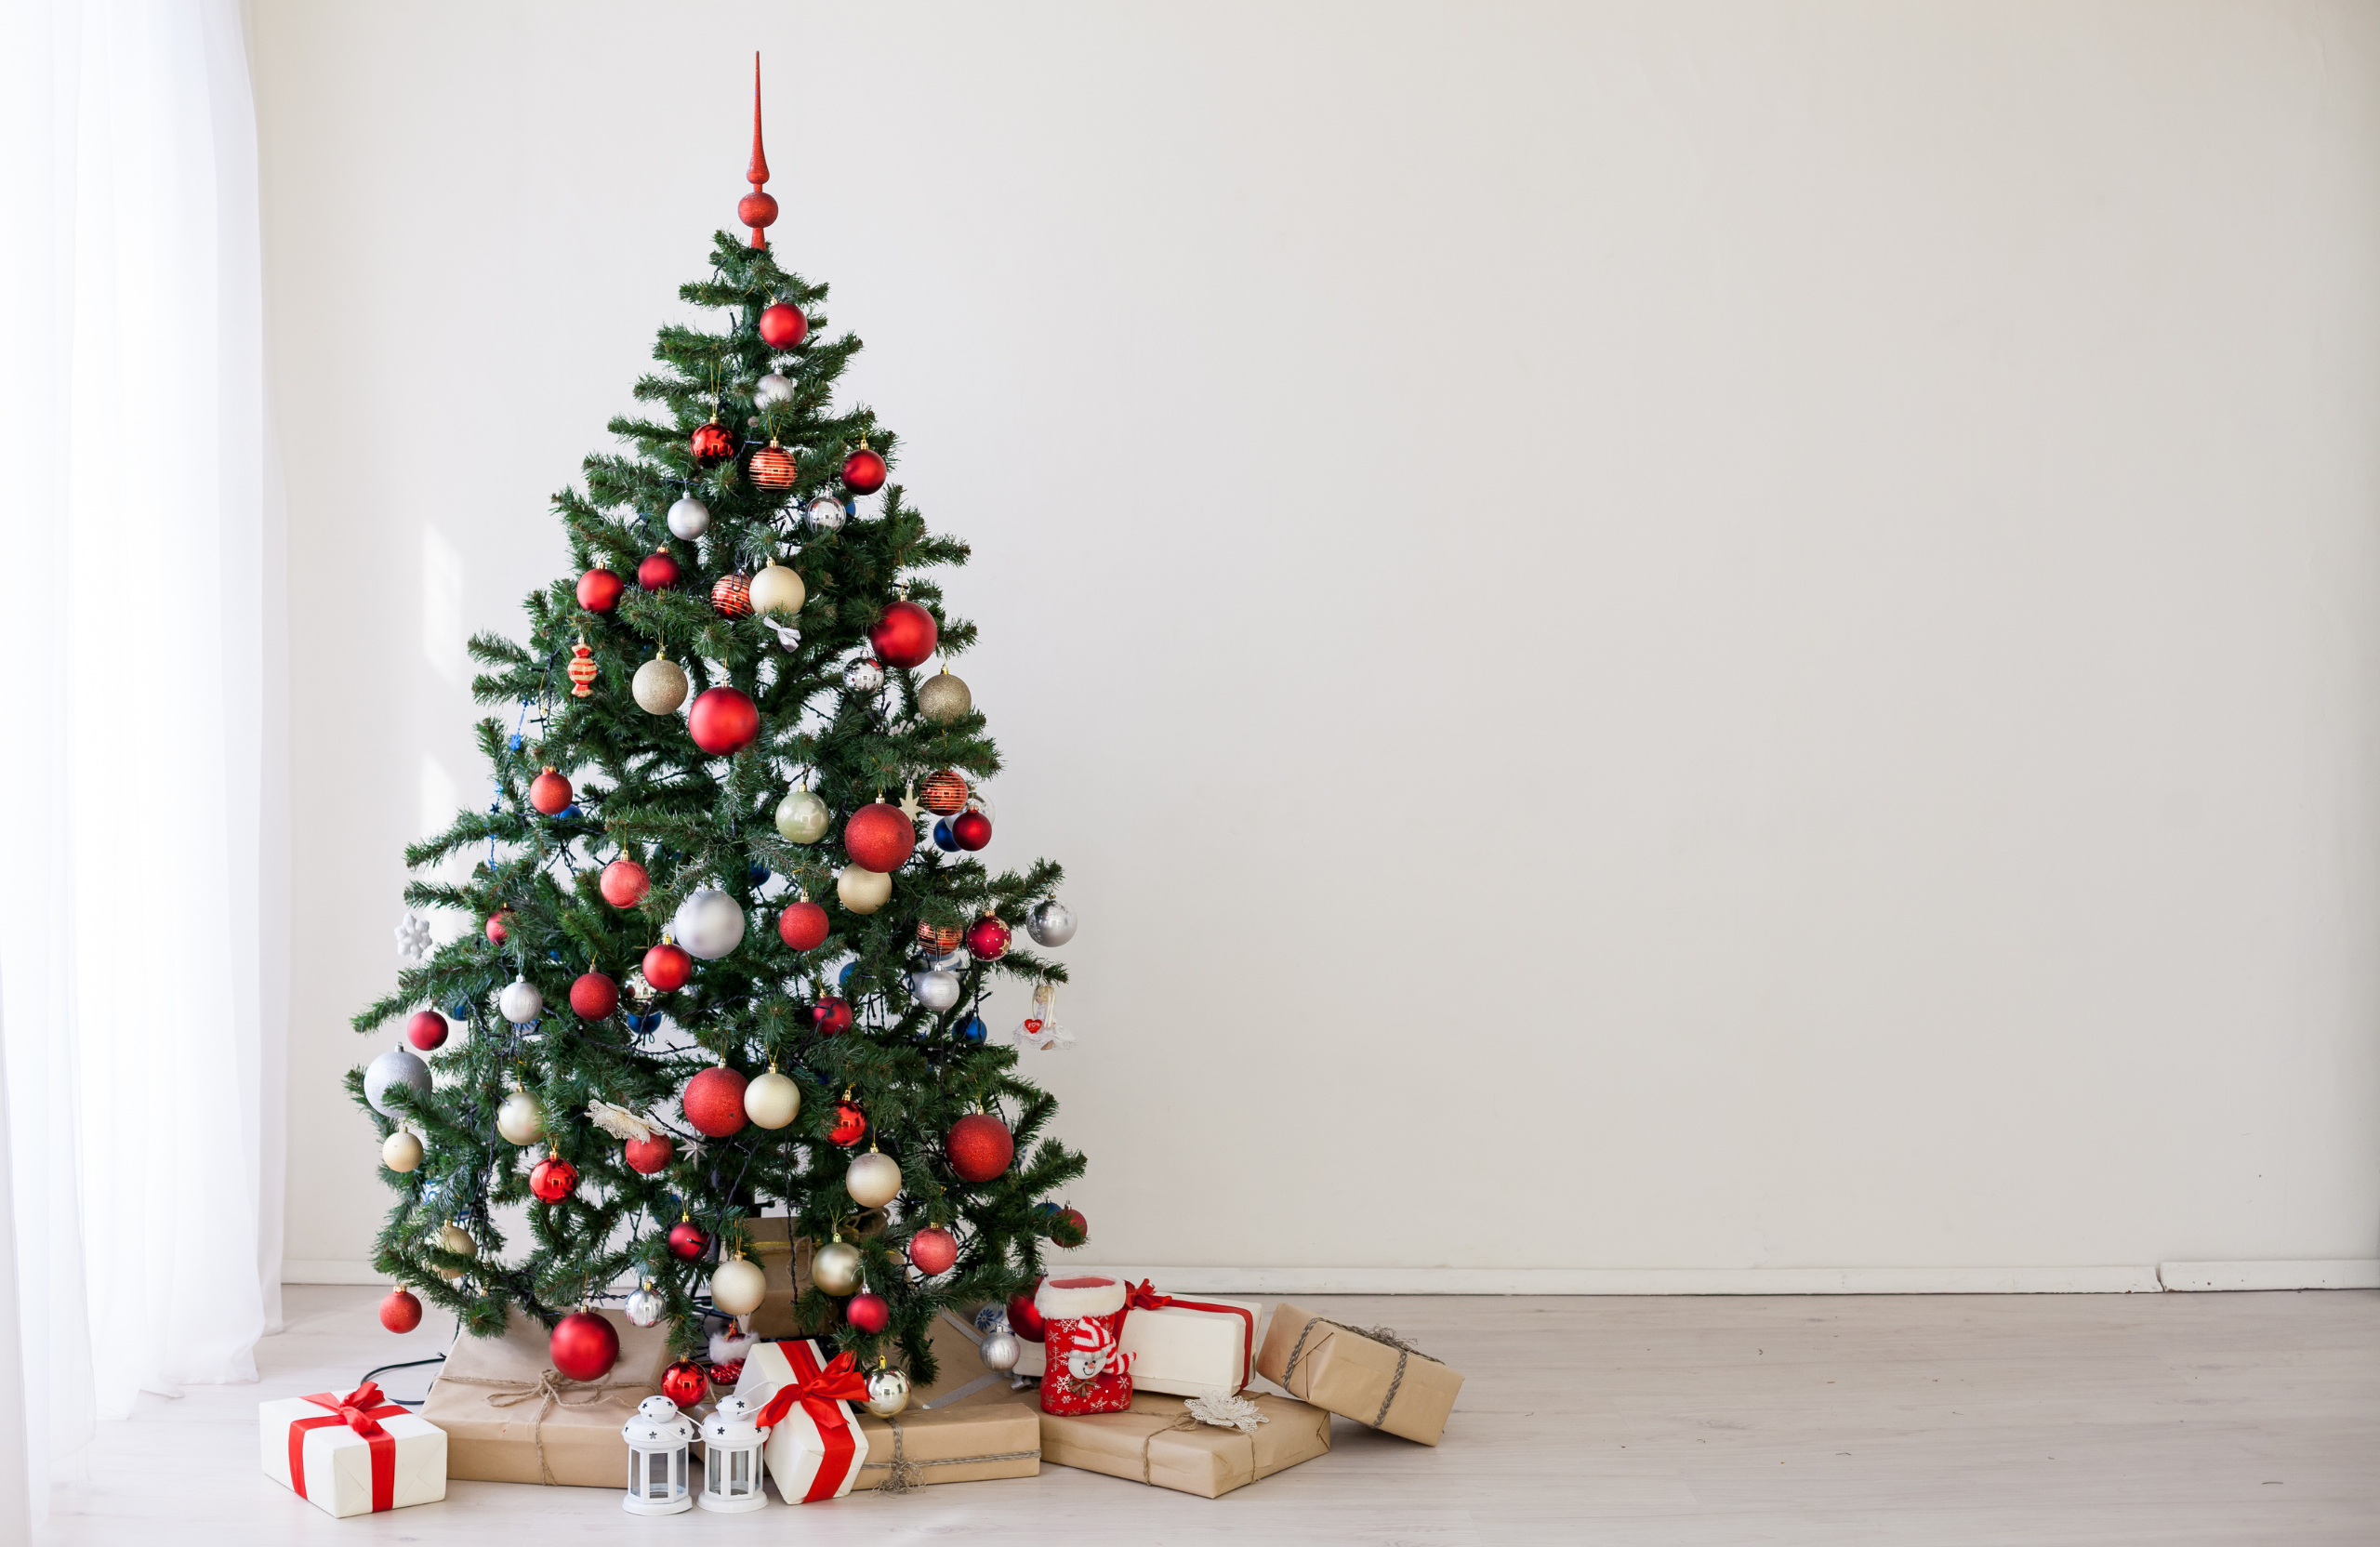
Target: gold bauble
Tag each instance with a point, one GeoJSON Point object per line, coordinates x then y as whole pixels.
{"type": "Point", "coordinates": [887, 1392]}
{"type": "Point", "coordinates": [519, 1120]}
{"type": "Point", "coordinates": [456, 1241]}
{"type": "Point", "coordinates": [802, 817]}
{"type": "Point", "coordinates": [778, 589]}
{"type": "Point", "coordinates": [863, 891]}
{"type": "Point", "coordinates": [400, 1151]}
{"type": "Point", "coordinates": [736, 1287]}
{"type": "Point", "coordinates": [943, 698]}
{"type": "Point", "coordinates": [659, 686]}
{"type": "Point", "coordinates": [873, 1180]}
{"type": "Point", "coordinates": [772, 1100]}
{"type": "Point", "coordinates": [835, 1268]}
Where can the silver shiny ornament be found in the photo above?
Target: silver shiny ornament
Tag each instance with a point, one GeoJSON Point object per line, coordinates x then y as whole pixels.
{"type": "Point", "coordinates": [709, 924]}
{"type": "Point", "coordinates": [827, 513]}
{"type": "Point", "coordinates": [887, 1392]}
{"type": "Point", "coordinates": [935, 989]}
{"type": "Point", "coordinates": [834, 1267]}
{"type": "Point", "coordinates": [1000, 1352]}
{"type": "Point", "coordinates": [772, 391]}
{"type": "Point", "coordinates": [646, 1308]}
{"type": "Point", "coordinates": [802, 817]}
{"type": "Point", "coordinates": [942, 698]}
{"type": "Point", "coordinates": [863, 675]}
{"type": "Point", "coordinates": [659, 686]}
{"type": "Point", "coordinates": [688, 519]}
{"type": "Point", "coordinates": [1050, 923]}
{"type": "Point", "coordinates": [394, 1067]}
{"type": "Point", "coordinates": [521, 1002]}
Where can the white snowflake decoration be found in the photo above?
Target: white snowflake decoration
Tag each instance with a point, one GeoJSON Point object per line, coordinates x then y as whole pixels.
{"type": "Point", "coordinates": [413, 937]}
{"type": "Point", "coordinates": [1226, 1412]}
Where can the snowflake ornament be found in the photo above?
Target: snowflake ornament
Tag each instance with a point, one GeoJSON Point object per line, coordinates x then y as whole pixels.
{"type": "Point", "coordinates": [1226, 1412]}
{"type": "Point", "coordinates": [413, 937]}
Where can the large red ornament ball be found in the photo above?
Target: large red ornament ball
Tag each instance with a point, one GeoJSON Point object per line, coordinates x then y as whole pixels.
{"type": "Point", "coordinates": [944, 794]}
{"type": "Point", "coordinates": [1023, 1317]}
{"type": "Point", "coordinates": [851, 1123]}
{"type": "Point", "coordinates": [905, 635]}
{"type": "Point", "coordinates": [426, 1030]}
{"type": "Point", "coordinates": [552, 1179]}
{"type": "Point", "coordinates": [688, 1240]}
{"type": "Point", "coordinates": [782, 327]}
{"type": "Point", "coordinates": [932, 1249]}
{"type": "Point", "coordinates": [868, 1312]}
{"type": "Point", "coordinates": [980, 1146]}
{"type": "Point", "coordinates": [593, 996]}
{"type": "Point", "coordinates": [401, 1312]}
{"type": "Point", "coordinates": [658, 572]}
{"type": "Point", "coordinates": [987, 939]}
{"type": "Point", "coordinates": [879, 838]}
{"type": "Point", "coordinates": [710, 445]}
{"type": "Point", "coordinates": [831, 1017]}
{"type": "Point", "coordinates": [1069, 1229]}
{"type": "Point", "coordinates": [863, 471]}
{"type": "Point", "coordinates": [802, 926]}
{"type": "Point", "coordinates": [648, 1156]}
{"type": "Point", "coordinates": [724, 721]}
{"type": "Point", "coordinates": [599, 590]}
{"type": "Point", "coordinates": [732, 597]}
{"type": "Point", "coordinates": [667, 967]}
{"type": "Point", "coordinates": [684, 1383]}
{"type": "Point", "coordinates": [714, 1101]}
{"type": "Point", "coordinates": [584, 1346]}
{"type": "Point", "coordinates": [495, 928]}
{"type": "Point", "coordinates": [550, 793]}
{"type": "Point", "coordinates": [624, 883]}
{"type": "Point", "coordinates": [970, 829]}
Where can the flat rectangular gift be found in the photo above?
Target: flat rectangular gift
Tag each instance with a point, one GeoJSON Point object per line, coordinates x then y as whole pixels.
{"type": "Point", "coordinates": [353, 1452]}
{"type": "Point", "coordinates": [1365, 1374]}
{"type": "Point", "coordinates": [1158, 1441]}
{"type": "Point", "coordinates": [969, 1444]}
{"type": "Point", "coordinates": [815, 1446]}
{"type": "Point", "coordinates": [511, 1418]}
{"type": "Point", "coordinates": [784, 1268]}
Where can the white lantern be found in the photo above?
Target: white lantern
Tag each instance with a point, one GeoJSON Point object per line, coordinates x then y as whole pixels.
{"type": "Point", "coordinates": [659, 1437]}
{"type": "Point", "coordinates": [731, 1444]}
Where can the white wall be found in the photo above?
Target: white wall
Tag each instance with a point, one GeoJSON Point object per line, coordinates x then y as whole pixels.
{"type": "Point", "coordinates": [1656, 637]}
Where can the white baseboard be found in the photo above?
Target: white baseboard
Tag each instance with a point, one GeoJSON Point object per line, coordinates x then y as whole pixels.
{"type": "Point", "coordinates": [2346, 1275]}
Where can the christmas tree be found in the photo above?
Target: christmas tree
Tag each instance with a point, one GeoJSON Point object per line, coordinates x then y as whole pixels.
{"type": "Point", "coordinates": [719, 967]}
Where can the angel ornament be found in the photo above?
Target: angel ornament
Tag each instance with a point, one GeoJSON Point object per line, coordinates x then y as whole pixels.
{"type": "Point", "coordinates": [1040, 1030]}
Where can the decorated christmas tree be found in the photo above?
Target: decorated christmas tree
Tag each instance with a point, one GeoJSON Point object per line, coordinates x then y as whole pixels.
{"type": "Point", "coordinates": [730, 931]}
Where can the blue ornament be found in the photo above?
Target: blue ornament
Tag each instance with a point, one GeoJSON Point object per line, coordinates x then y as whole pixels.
{"type": "Point", "coordinates": [516, 741]}
{"type": "Point", "coordinates": [567, 812]}
{"type": "Point", "coordinates": [1045, 1210]}
{"type": "Point", "coordinates": [844, 978]}
{"type": "Point", "coordinates": [462, 1010]}
{"type": "Point", "coordinates": [760, 873]}
{"type": "Point", "coordinates": [974, 1029]}
{"type": "Point", "coordinates": [941, 836]}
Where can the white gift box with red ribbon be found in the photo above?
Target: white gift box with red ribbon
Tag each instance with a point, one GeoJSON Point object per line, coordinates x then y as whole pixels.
{"type": "Point", "coordinates": [1186, 1346]}
{"type": "Point", "coordinates": [814, 1448]}
{"type": "Point", "coordinates": [353, 1452]}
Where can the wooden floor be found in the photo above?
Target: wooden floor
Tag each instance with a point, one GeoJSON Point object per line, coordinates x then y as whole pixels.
{"type": "Point", "coordinates": [1934, 1420]}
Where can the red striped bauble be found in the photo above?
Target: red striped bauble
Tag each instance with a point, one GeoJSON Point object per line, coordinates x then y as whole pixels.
{"type": "Point", "coordinates": [944, 794]}
{"type": "Point", "coordinates": [772, 468]}
{"type": "Point", "coordinates": [733, 596]}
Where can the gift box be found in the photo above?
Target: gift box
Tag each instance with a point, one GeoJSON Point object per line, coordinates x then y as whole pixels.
{"type": "Point", "coordinates": [353, 1452]}
{"type": "Point", "coordinates": [960, 1373]}
{"type": "Point", "coordinates": [784, 1270]}
{"type": "Point", "coordinates": [1161, 1441]}
{"type": "Point", "coordinates": [1367, 1374]}
{"type": "Point", "coordinates": [971, 1443]}
{"type": "Point", "coordinates": [1190, 1347]}
{"type": "Point", "coordinates": [815, 1446]}
{"type": "Point", "coordinates": [511, 1418]}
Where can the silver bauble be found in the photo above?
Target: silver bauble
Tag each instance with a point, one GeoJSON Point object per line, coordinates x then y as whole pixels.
{"type": "Point", "coordinates": [777, 590]}
{"type": "Point", "coordinates": [935, 989]}
{"type": "Point", "coordinates": [802, 817]}
{"type": "Point", "coordinates": [394, 1067]}
{"type": "Point", "coordinates": [1050, 923]}
{"type": "Point", "coordinates": [827, 513]}
{"type": "Point", "coordinates": [834, 1267]}
{"type": "Point", "coordinates": [519, 1121]}
{"type": "Point", "coordinates": [521, 1002]}
{"type": "Point", "coordinates": [863, 675]}
{"type": "Point", "coordinates": [646, 1308]}
{"type": "Point", "coordinates": [873, 1180]}
{"type": "Point", "coordinates": [688, 519]}
{"type": "Point", "coordinates": [659, 686]}
{"type": "Point", "coordinates": [1000, 1352]}
{"type": "Point", "coordinates": [709, 924]}
{"type": "Point", "coordinates": [400, 1151]}
{"type": "Point", "coordinates": [942, 698]}
{"type": "Point", "coordinates": [772, 391]}
{"type": "Point", "coordinates": [887, 1392]}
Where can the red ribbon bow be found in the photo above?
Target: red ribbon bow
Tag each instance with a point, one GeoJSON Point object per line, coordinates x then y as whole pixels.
{"type": "Point", "coordinates": [361, 1410]}
{"type": "Point", "coordinates": [819, 1390]}
{"type": "Point", "coordinates": [1142, 1296]}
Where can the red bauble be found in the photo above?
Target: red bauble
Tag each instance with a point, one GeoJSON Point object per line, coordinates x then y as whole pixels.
{"type": "Point", "coordinates": [879, 838]}
{"type": "Point", "coordinates": [426, 1030]}
{"type": "Point", "coordinates": [684, 1383]}
{"type": "Point", "coordinates": [593, 996]}
{"type": "Point", "coordinates": [905, 635]}
{"type": "Point", "coordinates": [831, 1017]}
{"type": "Point", "coordinates": [941, 939]}
{"type": "Point", "coordinates": [724, 721]}
{"type": "Point", "coordinates": [1022, 1318]}
{"type": "Point", "coordinates": [714, 1101]}
{"type": "Point", "coordinates": [980, 1146]}
{"type": "Point", "coordinates": [667, 967]}
{"type": "Point", "coordinates": [710, 445]}
{"type": "Point", "coordinates": [495, 929]}
{"type": "Point", "coordinates": [932, 1249]}
{"type": "Point", "coordinates": [868, 1312]}
{"type": "Point", "coordinates": [851, 1123]}
{"type": "Point", "coordinates": [1070, 1229]}
{"type": "Point", "coordinates": [863, 471]}
{"type": "Point", "coordinates": [987, 939]}
{"type": "Point", "coordinates": [552, 1179]}
{"type": "Point", "coordinates": [647, 1157]}
{"type": "Point", "coordinates": [732, 597]}
{"type": "Point", "coordinates": [624, 883]}
{"type": "Point", "coordinates": [658, 572]}
{"type": "Point", "coordinates": [550, 792]}
{"type": "Point", "coordinates": [782, 327]}
{"type": "Point", "coordinates": [944, 794]}
{"type": "Point", "coordinates": [757, 210]}
{"type": "Point", "coordinates": [599, 590]}
{"type": "Point", "coordinates": [688, 1240]}
{"type": "Point", "coordinates": [584, 1346]}
{"type": "Point", "coordinates": [970, 829]}
{"type": "Point", "coordinates": [772, 468]}
{"type": "Point", "coordinates": [802, 926]}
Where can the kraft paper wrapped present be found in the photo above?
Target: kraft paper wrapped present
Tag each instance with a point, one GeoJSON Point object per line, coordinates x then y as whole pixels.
{"type": "Point", "coordinates": [960, 1375]}
{"type": "Point", "coordinates": [1364, 1373]}
{"type": "Point", "coordinates": [353, 1452]}
{"type": "Point", "coordinates": [784, 1268]}
{"type": "Point", "coordinates": [1161, 1442]}
{"type": "Point", "coordinates": [971, 1443]}
{"type": "Point", "coordinates": [815, 1446]}
{"type": "Point", "coordinates": [1188, 1345]}
{"type": "Point", "coordinates": [511, 1418]}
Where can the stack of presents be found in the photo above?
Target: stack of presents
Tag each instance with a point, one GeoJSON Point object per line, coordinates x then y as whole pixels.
{"type": "Point", "coordinates": [1110, 1378]}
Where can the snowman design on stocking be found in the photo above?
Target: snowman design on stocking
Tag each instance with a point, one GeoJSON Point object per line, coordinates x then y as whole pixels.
{"type": "Point", "coordinates": [1087, 1373]}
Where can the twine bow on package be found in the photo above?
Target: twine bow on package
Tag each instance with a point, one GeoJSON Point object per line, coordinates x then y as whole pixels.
{"type": "Point", "coordinates": [1368, 1374]}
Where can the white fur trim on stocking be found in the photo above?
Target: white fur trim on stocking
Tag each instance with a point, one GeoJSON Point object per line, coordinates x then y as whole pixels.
{"type": "Point", "coordinates": [1061, 1297]}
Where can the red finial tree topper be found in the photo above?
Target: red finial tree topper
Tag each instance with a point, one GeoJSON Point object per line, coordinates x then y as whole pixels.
{"type": "Point", "coordinates": [756, 209]}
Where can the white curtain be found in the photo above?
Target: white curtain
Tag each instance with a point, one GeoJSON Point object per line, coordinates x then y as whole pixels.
{"type": "Point", "coordinates": [141, 1043]}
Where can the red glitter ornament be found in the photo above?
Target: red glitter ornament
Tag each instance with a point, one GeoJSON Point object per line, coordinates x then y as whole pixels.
{"type": "Point", "coordinates": [550, 793]}
{"type": "Point", "coordinates": [658, 572]}
{"type": "Point", "coordinates": [667, 967]}
{"type": "Point", "coordinates": [1024, 1318]}
{"type": "Point", "coordinates": [879, 838]}
{"type": "Point", "coordinates": [624, 883]}
{"type": "Point", "coordinates": [401, 1312]}
{"type": "Point", "coordinates": [732, 597]}
{"type": "Point", "coordinates": [932, 1249]}
{"type": "Point", "coordinates": [987, 939]}
{"type": "Point", "coordinates": [851, 1123]}
{"type": "Point", "coordinates": [593, 996]}
{"type": "Point", "coordinates": [831, 1017]}
{"type": "Point", "coordinates": [980, 1146]}
{"type": "Point", "coordinates": [724, 721]}
{"type": "Point", "coordinates": [688, 1240]}
{"type": "Point", "coordinates": [599, 590]}
{"type": "Point", "coordinates": [710, 445]}
{"type": "Point", "coordinates": [868, 1312]}
{"type": "Point", "coordinates": [426, 1030]}
{"type": "Point", "coordinates": [863, 470]}
{"type": "Point", "coordinates": [802, 926]}
{"type": "Point", "coordinates": [497, 931]}
{"type": "Point", "coordinates": [756, 209]}
{"type": "Point", "coordinates": [584, 1346]}
{"type": "Point", "coordinates": [582, 671]}
{"type": "Point", "coordinates": [713, 1101]}
{"type": "Point", "coordinates": [905, 635]}
{"type": "Point", "coordinates": [552, 1179]}
{"type": "Point", "coordinates": [783, 327]}
{"type": "Point", "coordinates": [970, 829]}
{"type": "Point", "coordinates": [772, 468]}
{"type": "Point", "coordinates": [648, 1156]}
{"type": "Point", "coordinates": [684, 1383]}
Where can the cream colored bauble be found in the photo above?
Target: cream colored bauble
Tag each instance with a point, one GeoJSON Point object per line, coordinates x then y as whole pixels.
{"type": "Point", "coordinates": [772, 1100]}
{"type": "Point", "coordinates": [863, 891]}
{"type": "Point", "coordinates": [659, 686]}
{"type": "Point", "coordinates": [521, 1001]}
{"type": "Point", "coordinates": [736, 1287]}
{"type": "Point", "coordinates": [709, 924]}
{"type": "Point", "coordinates": [802, 817]}
{"type": "Point", "coordinates": [873, 1181]}
{"type": "Point", "coordinates": [519, 1120]}
{"type": "Point", "coordinates": [400, 1151]}
{"type": "Point", "coordinates": [455, 1240]}
{"type": "Point", "coordinates": [777, 590]}
{"type": "Point", "coordinates": [835, 1268]}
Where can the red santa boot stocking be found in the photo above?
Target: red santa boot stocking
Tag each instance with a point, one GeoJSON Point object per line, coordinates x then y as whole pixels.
{"type": "Point", "coordinates": [1087, 1373]}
